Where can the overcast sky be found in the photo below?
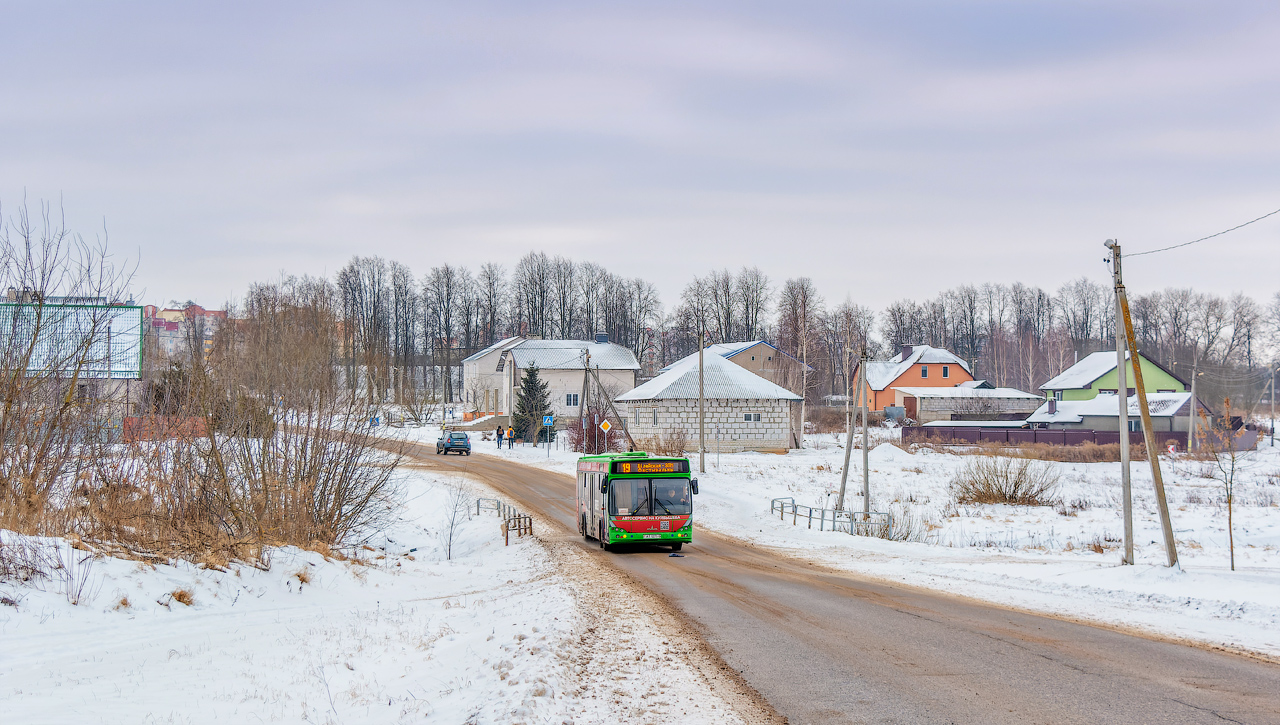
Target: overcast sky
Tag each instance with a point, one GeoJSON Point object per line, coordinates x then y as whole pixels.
{"type": "Point", "coordinates": [886, 150]}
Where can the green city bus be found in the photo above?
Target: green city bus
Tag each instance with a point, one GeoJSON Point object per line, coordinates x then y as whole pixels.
{"type": "Point", "coordinates": [626, 498]}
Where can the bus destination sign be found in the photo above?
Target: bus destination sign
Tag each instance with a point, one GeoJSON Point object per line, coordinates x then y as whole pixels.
{"type": "Point", "coordinates": [651, 467]}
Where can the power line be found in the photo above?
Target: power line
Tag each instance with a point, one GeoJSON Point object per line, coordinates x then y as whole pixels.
{"type": "Point", "coordinates": [1201, 239]}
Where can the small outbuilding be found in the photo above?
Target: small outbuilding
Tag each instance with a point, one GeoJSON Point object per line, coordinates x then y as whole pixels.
{"type": "Point", "coordinates": [926, 405]}
{"type": "Point", "coordinates": [750, 412]}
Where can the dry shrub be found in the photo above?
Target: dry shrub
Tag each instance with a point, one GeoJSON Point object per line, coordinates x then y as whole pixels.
{"type": "Point", "coordinates": [279, 463]}
{"type": "Point", "coordinates": [303, 576]}
{"type": "Point", "coordinates": [183, 596]}
{"type": "Point", "coordinates": [826, 419]}
{"type": "Point", "coordinates": [673, 443]}
{"type": "Point", "coordinates": [589, 439]}
{"type": "Point", "coordinates": [1016, 481]}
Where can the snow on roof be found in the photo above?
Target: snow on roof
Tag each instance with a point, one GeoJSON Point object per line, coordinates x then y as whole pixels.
{"type": "Point", "coordinates": [881, 373]}
{"type": "Point", "coordinates": [729, 349]}
{"type": "Point", "coordinates": [1083, 373]}
{"type": "Point", "coordinates": [1163, 405]}
{"type": "Point", "coordinates": [723, 380]}
{"type": "Point", "coordinates": [959, 392]}
{"type": "Point", "coordinates": [975, 424]}
{"type": "Point", "coordinates": [975, 384]}
{"type": "Point", "coordinates": [500, 344]}
{"type": "Point", "coordinates": [567, 355]}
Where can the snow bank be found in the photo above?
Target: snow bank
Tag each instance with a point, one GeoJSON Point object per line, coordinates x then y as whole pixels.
{"type": "Point", "coordinates": [497, 635]}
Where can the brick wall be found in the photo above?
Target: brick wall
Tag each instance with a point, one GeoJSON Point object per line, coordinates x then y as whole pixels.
{"type": "Point", "coordinates": [771, 433]}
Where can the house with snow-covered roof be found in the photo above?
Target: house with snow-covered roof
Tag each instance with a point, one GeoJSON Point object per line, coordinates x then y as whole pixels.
{"type": "Point", "coordinates": [1096, 374]}
{"type": "Point", "coordinates": [763, 359]}
{"type": "Point", "coordinates": [1169, 412]}
{"type": "Point", "coordinates": [744, 411]}
{"type": "Point", "coordinates": [491, 376]}
{"type": "Point", "coordinates": [916, 366]}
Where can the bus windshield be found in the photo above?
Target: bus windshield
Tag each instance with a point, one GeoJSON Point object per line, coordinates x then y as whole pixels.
{"type": "Point", "coordinates": [649, 497]}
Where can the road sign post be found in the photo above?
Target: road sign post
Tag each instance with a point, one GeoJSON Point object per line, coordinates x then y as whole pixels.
{"type": "Point", "coordinates": [547, 422]}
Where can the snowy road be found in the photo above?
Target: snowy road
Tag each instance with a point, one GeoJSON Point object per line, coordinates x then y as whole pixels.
{"type": "Point", "coordinates": [823, 646]}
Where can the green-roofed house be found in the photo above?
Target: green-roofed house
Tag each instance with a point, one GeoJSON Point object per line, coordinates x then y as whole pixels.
{"type": "Point", "coordinates": [1096, 374]}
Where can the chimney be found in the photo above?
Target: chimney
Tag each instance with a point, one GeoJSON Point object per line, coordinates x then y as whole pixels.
{"type": "Point", "coordinates": [602, 337]}
{"type": "Point", "coordinates": [906, 352]}
{"type": "Point", "coordinates": [1053, 406]}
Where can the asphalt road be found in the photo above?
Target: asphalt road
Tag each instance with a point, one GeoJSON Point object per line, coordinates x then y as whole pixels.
{"type": "Point", "coordinates": [828, 647]}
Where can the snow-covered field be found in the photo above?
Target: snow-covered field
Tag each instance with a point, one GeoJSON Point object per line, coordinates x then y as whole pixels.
{"type": "Point", "coordinates": [525, 633]}
{"type": "Point", "coordinates": [1063, 560]}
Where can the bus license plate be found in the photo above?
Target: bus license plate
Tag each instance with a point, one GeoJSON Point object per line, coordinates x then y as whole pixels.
{"type": "Point", "coordinates": [653, 536]}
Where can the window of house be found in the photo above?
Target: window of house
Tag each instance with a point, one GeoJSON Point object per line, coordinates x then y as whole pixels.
{"type": "Point", "coordinates": [924, 371]}
{"type": "Point", "coordinates": [571, 400]}
{"type": "Point", "coordinates": [638, 414]}
{"type": "Point", "coordinates": [769, 358]}
{"type": "Point", "coordinates": [1135, 426]}
{"type": "Point", "coordinates": [751, 417]}
{"type": "Point", "coordinates": [946, 371]}
{"type": "Point", "coordinates": [1057, 395]}
{"type": "Point", "coordinates": [753, 357]}
{"type": "Point", "coordinates": [1166, 391]}
{"type": "Point", "coordinates": [655, 417]}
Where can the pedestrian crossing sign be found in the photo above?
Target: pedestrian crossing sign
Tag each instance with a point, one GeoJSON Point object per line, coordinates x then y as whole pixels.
{"type": "Point", "coordinates": [547, 420]}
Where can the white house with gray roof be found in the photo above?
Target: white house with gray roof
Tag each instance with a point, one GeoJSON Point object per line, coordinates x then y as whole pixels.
{"type": "Point", "coordinates": [491, 377]}
{"type": "Point", "coordinates": [749, 412]}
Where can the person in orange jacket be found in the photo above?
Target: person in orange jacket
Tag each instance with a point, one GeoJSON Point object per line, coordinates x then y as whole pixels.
{"type": "Point", "coordinates": [511, 437]}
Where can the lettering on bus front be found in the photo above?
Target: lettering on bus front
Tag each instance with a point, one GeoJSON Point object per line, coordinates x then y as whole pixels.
{"type": "Point", "coordinates": [649, 497]}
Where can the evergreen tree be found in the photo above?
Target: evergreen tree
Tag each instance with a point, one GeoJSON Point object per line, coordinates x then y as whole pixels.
{"type": "Point", "coordinates": [532, 402]}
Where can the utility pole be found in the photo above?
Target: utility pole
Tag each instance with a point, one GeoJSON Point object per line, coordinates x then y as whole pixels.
{"type": "Point", "coordinates": [1122, 393]}
{"type": "Point", "coordinates": [1191, 427]}
{"type": "Point", "coordinates": [1273, 406]}
{"type": "Point", "coordinates": [866, 474]}
{"type": "Point", "coordinates": [1153, 452]}
{"type": "Point", "coordinates": [848, 442]}
{"type": "Point", "coordinates": [702, 403]}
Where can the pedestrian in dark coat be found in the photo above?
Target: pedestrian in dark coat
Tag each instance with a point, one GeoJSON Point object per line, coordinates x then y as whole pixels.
{"type": "Point", "coordinates": [499, 437]}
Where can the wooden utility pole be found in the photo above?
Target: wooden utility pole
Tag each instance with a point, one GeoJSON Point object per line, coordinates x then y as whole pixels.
{"type": "Point", "coordinates": [595, 373]}
{"type": "Point", "coordinates": [1148, 433]}
{"type": "Point", "coordinates": [866, 393]}
{"type": "Point", "coordinates": [848, 441]}
{"type": "Point", "coordinates": [1191, 427]}
{"type": "Point", "coordinates": [1122, 393]}
{"type": "Point", "coordinates": [702, 404]}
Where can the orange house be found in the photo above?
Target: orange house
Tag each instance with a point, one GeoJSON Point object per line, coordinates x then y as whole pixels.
{"type": "Point", "coordinates": [919, 366]}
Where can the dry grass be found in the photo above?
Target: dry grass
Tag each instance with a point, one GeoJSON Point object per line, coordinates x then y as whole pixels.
{"type": "Point", "coordinates": [183, 596]}
{"type": "Point", "coordinates": [1085, 453]}
{"type": "Point", "coordinates": [1016, 481]}
{"type": "Point", "coordinates": [303, 576]}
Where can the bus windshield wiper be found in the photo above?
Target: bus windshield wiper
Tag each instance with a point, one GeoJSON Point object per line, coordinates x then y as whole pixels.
{"type": "Point", "coordinates": [664, 507]}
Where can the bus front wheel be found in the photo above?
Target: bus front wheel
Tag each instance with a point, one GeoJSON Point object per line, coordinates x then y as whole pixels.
{"type": "Point", "coordinates": [677, 546]}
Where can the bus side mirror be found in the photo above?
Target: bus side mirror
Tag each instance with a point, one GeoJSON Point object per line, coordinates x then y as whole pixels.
{"type": "Point", "coordinates": [604, 487]}
{"type": "Point", "coordinates": [693, 484]}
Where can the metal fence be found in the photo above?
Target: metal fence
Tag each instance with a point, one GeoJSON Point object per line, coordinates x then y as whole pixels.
{"type": "Point", "coordinates": [878, 524]}
{"type": "Point", "coordinates": [512, 519]}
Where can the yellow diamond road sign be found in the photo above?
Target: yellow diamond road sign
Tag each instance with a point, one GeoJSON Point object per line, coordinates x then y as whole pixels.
{"type": "Point", "coordinates": [604, 426]}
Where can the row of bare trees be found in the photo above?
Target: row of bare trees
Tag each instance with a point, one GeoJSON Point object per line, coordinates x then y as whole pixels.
{"type": "Point", "coordinates": [404, 336]}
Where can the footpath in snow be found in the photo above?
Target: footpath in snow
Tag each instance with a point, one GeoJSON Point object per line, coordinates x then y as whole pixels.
{"type": "Point", "coordinates": [1062, 560]}
{"type": "Point", "coordinates": [531, 632]}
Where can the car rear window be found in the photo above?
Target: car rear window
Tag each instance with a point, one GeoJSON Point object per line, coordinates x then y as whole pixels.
{"type": "Point", "coordinates": [459, 436]}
